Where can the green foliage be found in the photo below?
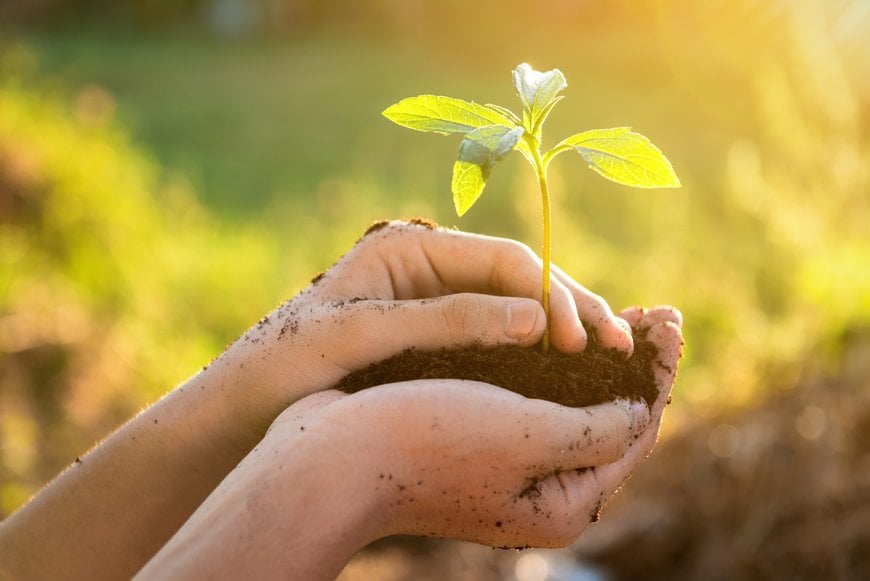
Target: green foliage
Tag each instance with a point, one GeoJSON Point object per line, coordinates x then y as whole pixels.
{"type": "Point", "coordinates": [478, 152]}
{"type": "Point", "coordinates": [444, 115]}
{"type": "Point", "coordinates": [617, 154]}
{"type": "Point", "coordinates": [493, 131]}
{"type": "Point", "coordinates": [114, 285]}
{"type": "Point", "coordinates": [621, 155]}
{"type": "Point", "coordinates": [539, 93]}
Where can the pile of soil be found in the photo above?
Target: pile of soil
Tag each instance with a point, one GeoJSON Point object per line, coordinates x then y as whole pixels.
{"type": "Point", "coordinates": [596, 375]}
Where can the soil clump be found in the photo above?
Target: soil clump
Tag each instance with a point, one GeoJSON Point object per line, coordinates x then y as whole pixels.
{"type": "Point", "coordinates": [597, 375]}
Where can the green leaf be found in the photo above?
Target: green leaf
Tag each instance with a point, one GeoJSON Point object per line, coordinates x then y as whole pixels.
{"type": "Point", "coordinates": [621, 155]}
{"type": "Point", "coordinates": [537, 130]}
{"type": "Point", "coordinates": [467, 185]}
{"type": "Point", "coordinates": [487, 145]}
{"type": "Point", "coordinates": [538, 92]}
{"type": "Point", "coordinates": [506, 112]}
{"type": "Point", "coordinates": [444, 115]}
{"type": "Point", "coordinates": [522, 146]}
{"type": "Point", "coordinates": [478, 152]}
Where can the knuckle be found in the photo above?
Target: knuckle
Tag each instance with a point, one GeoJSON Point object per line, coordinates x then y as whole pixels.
{"type": "Point", "coordinates": [379, 231]}
{"type": "Point", "coordinates": [510, 255]}
{"type": "Point", "coordinates": [518, 251]}
{"type": "Point", "coordinates": [594, 305]}
{"type": "Point", "coordinates": [462, 315]}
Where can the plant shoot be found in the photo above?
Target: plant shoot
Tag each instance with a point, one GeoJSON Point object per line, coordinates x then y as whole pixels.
{"type": "Point", "coordinates": [491, 132]}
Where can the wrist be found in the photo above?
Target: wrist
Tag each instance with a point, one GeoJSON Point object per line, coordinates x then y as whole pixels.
{"type": "Point", "coordinates": [243, 393]}
{"type": "Point", "coordinates": [296, 505]}
{"type": "Point", "coordinates": [333, 490]}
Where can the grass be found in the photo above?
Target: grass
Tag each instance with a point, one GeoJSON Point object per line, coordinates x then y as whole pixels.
{"type": "Point", "coordinates": [258, 122]}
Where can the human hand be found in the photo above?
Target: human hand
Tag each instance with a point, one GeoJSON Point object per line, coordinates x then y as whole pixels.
{"type": "Point", "coordinates": [473, 462]}
{"type": "Point", "coordinates": [407, 285]}
{"type": "Point", "coordinates": [443, 458]}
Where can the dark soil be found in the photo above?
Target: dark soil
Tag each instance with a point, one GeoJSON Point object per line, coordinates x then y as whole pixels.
{"type": "Point", "coordinates": [596, 375]}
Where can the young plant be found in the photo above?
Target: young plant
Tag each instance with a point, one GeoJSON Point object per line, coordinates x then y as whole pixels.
{"type": "Point", "coordinates": [491, 132]}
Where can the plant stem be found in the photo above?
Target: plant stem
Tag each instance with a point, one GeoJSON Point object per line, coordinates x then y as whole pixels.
{"type": "Point", "coordinates": [541, 171]}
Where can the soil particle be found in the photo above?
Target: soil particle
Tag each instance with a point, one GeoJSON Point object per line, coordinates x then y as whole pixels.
{"type": "Point", "coordinates": [596, 375]}
{"type": "Point", "coordinates": [379, 225]}
{"type": "Point", "coordinates": [291, 325]}
{"type": "Point", "coordinates": [424, 222]}
{"type": "Point", "coordinates": [595, 515]}
{"type": "Point", "coordinates": [532, 493]}
{"type": "Point", "coordinates": [318, 277]}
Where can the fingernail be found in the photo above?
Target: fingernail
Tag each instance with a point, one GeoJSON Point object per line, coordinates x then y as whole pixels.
{"type": "Point", "coordinates": [522, 318]}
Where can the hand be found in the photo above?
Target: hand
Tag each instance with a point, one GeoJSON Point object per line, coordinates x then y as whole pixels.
{"type": "Point", "coordinates": [441, 458]}
{"type": "Point", "coordinates": [469, 461]}
{"type": "Point", "coordinates": [406, 285]}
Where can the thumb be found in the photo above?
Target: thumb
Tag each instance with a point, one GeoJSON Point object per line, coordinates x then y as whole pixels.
{"type": "Point", "coordinates": [387, 328]}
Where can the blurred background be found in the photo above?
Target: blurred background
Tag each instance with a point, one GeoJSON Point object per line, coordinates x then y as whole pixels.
{"type": "Point", "coordinates": [171, 171]}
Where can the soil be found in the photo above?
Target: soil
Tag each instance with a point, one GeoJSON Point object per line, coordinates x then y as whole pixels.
{"type": "Point", "coordinates": [596, 375]}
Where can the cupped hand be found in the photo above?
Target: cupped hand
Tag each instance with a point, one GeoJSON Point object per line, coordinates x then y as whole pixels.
{"type": "Point", "coordinates": [406, 285]}
{"type": "Point", "coordinates": [471, 461]}
{"type": "Point", "coordinates": [443, 458]}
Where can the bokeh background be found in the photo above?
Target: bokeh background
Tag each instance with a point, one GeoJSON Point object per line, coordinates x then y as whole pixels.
{"type": "Point", "coordinates": [172, 170]}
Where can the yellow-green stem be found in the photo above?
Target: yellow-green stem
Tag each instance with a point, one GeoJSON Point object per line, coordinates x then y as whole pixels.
{"type": "Point", "coordinates": [541, 170]}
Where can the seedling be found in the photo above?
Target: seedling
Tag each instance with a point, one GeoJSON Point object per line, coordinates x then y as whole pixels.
{"type": "Point", "coordinates": [491, 132]}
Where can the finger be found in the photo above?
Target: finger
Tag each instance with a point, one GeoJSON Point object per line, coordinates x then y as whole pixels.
{"type": "Point", "coordinates": [594, 310]}
{"type": "Point", "coordinates": [306, 406]}
{"type": "Point", "coordinates": [474, 263]}
{"type": "Point", "coordinates": [312, 403]}
{"type": "Point", "coordinates": [552, 438]}
{"type": "Point", "coordinates": [387, 328]}
{"type": "Point", "coordinates": [662, 314]}
{"type": "Point", "coordinates": [632, 316]}
{"type": "Point", "coordinates": [541, 436]}
{"type": "Point", "coordinates": [579, 495]}
{"type": "Point", "coordinates": [413, 262]}
{"type": "Point", "coordinates": [639, 317]}
{"type": "Point", "coordinates": [668, 338]}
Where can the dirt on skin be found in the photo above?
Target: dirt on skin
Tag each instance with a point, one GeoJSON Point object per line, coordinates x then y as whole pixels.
{"type": "Point", "coordinates": [596, 375]}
